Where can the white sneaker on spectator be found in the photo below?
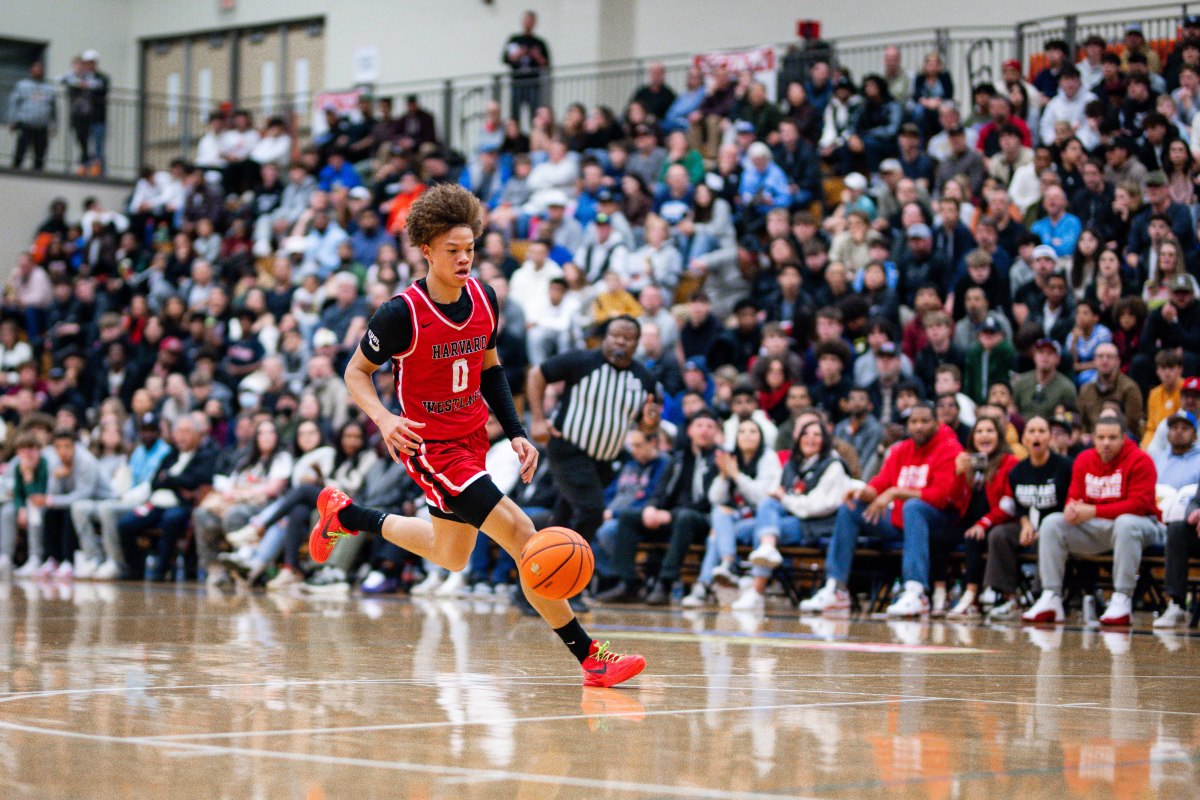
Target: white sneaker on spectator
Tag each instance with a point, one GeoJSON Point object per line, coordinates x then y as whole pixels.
{"type": "Point", "coordinates": [327, 581]}
{"type": "Point", "coordinates": [65, 571]}
{"type": "Point", "coordinates": [502, 591]}
{"type": "Point", "coordinates": [965, 608]}
{"type": "Point", "coordinates": [912, 602]}
{"type": "Point", "coordinates": [243, 536]}
{"type": "Point", "coordinates": [107, 571]}
{"type": "Point", "coordinates": [749, 601]}
{"type": "Point", "coordinates": [87, 570]}
{"type": "Point", "coordinates": [218, 579]}
{"type": "Point", "coordinates": [988, 597]}
{"type": "Point", "coordinates": [1119, 610]}
{"type": "Point", "coordinates": [48, 568]}
{"type": "Point", "coordinates": [828, 598]}
{"type": "Point", "coordinates": [938, 607]}
{"type": "Point", "coordinates": [1009, 609]}
{"type": "Point", "coordinates": [482, 590]}
{"type": "Point", "coordinates": [376, 578]}
{"type": "Point", "coordinates": [765, 555]}
{"type": "Point", "coordinates": [724, 576]}
{"type": "Point", "coordinates": [697, 597]}
{"type": "Point", "coordinates": [28, 569]}
{"type": "Point", "coordinates": [454, 585]}
{"type": "Point", "coordinates": [1048, 608]}
{"type": "Point", "coordinates": [428, 586]}
{"type": "Point", "coordinates": [6, 566]}
{"type": "Point", "coordinates": [1172, 616]}
{"type": "Point", "coordinates": [284, 581]}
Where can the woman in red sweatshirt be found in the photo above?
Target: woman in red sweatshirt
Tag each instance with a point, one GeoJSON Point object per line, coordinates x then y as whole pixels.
{"type": "Point", "coordinates": [980, 483]}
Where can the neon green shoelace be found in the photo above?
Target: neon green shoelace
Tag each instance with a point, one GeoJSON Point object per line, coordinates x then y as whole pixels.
{"type": "Point", "coordinates": [604, 654]}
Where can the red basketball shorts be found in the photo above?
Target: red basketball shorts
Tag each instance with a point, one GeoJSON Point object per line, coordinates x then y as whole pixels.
{"type": "Point", "coordinates": [445, 469]}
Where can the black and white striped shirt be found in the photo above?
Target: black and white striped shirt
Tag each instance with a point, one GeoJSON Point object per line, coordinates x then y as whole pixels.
{"type": "Point", "coordinates": [600, 401]}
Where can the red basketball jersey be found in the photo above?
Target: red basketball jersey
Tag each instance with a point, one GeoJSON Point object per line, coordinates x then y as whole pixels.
{"type": "Point", "coordinates": [437, 378]}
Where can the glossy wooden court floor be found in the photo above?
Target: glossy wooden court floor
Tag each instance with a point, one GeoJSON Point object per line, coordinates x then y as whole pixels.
{"type": "Point", "coordinates": [132, 692]}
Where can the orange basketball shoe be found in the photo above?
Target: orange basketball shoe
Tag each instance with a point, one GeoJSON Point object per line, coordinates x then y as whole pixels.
{"type": "Point", "coordinates": [606, 668]}
{"type": "Point", "coordinates": [328, 530]}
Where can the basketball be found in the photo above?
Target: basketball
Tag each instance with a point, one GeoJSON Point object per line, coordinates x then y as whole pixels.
{"type": "Point", "coordinates": [557, 563]}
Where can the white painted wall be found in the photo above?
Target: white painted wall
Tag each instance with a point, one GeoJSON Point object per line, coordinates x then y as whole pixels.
{"type": "Point", "coordinates": [72, 26]}
{"type": "Point", "coordinates": [21, 219]}
{"type": "Point", "coordinates": [434, 39]}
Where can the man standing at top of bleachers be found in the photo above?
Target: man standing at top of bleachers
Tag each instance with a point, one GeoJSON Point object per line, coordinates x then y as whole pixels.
{"type": "Point", "coordinates": [528, 57]}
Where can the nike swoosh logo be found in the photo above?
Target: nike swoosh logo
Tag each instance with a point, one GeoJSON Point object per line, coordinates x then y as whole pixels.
{"type": "Point", "coordinates": [600, 671]}
{"type": "Point", "coordinates": [427, 324]}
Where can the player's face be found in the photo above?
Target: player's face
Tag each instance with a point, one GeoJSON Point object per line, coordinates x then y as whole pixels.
{"type": "Point", "coordinates": [450, 256]}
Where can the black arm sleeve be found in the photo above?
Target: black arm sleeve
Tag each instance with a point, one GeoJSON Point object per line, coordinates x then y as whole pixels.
{"type": "Point", "coordinates": [496, 392]}
{"type": "Point", "coordinates": [494, 302]}
{"type": "Point", "coordinates": [389, 332]}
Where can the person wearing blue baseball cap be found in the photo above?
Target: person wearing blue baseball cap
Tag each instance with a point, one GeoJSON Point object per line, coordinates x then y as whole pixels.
{"type": "Point", "coordinates": [1179, 465]}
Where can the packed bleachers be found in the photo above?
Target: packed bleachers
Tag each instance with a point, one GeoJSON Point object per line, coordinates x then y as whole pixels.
{"type": "Point", "coordinates": [949, 348]}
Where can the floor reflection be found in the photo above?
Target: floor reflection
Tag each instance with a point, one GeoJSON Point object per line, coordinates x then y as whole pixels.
{"type": "Point", "coordinates": [165, 687]}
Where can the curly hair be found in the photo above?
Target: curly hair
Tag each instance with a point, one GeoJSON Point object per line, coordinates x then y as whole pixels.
{"type": "Point", "coordinates": [439, 209]}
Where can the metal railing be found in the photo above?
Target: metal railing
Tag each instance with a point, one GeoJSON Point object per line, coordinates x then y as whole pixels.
{"type": "Point", "coordinates": [152, 129]}
{"type": "Point", "coordinates": [63, 155]}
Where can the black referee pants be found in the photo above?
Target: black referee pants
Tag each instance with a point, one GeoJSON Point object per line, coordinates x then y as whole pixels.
{"type": "Point", "coordinates": [581, 481]}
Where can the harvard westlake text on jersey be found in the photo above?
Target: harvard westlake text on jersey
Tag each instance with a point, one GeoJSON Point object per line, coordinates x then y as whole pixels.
{"type": "Point", "coordinates": [462, 347]}
{"type": "Point", "coordinates": [453, 404]}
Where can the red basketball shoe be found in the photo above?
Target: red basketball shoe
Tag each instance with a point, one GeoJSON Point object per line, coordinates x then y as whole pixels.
{"type": "Point", "coordinates": [606, 668]}
{"type": "Point", "coordinates": [328, 530]}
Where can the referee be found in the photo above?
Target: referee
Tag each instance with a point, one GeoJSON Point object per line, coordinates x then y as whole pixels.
{"type": "Point", "coordinates": [604, 392]}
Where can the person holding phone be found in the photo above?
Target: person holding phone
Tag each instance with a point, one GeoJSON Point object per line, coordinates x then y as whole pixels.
{"type": "Point", "coordinates": [980, 486]}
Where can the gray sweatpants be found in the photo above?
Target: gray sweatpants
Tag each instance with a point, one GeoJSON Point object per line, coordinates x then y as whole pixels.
{"type": "Point", "coordinates": [1125, 537]}
{"type": "Point", "coordinates": [84, 516]}
{"type": "Point", "coordinates": [8, 532]}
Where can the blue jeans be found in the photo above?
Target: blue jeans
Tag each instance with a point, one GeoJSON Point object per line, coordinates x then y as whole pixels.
{"type": "Point", "coordinates": [603, 547]}
{"type": "Point", "coordinates": [772, 519]}
{"type": "Point", "coordinates": [271, 544]}
{"type": "Point", "coordinates": [918, 518]}
{"type": "Point", "coordinates": [172, 524]}
{"type": "Point", "coordinates": [98, 132]}
{"type": "Point", "coordinates": [728, 530]}
{"type": "Point", "coordinates": [481, 558]}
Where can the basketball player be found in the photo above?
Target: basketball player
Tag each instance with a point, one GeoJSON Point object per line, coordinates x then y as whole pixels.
{"type": "Point", "coordinates": [440, 336]}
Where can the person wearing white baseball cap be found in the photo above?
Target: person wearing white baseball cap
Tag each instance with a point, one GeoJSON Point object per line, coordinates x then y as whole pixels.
{"type": "Point", "coordinates": [1032, 296]}
{"type": "Point", "coordinates": [87, 95]}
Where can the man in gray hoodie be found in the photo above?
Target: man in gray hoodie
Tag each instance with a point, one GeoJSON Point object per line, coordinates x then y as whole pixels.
{"type": "Point", "coordinates": [78, 476]}
{"type": "Point", "coordinates": [32, 115]}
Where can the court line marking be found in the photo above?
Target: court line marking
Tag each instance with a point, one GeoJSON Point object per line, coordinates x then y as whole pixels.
{"type": "Point", "coordinates": [404, 726]}
{"type": "Point", "coordinates": [875, 648]}
{"type": "Point", "coordinates": [1018, 772]}
{"type": "Point", "coordinates": [428, 769]}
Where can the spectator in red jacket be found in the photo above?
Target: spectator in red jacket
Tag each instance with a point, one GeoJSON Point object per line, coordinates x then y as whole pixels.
{"type": "Point", "coordinates": [1110, 506]}
{"type": "Point", "coordinates": [980, 486]}
{"type": "Point", "coordinates": [916, 481]}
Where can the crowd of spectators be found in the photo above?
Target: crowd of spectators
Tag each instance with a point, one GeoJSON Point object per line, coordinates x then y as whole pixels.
{"type": "Point", "coordinates": [985, 337]}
